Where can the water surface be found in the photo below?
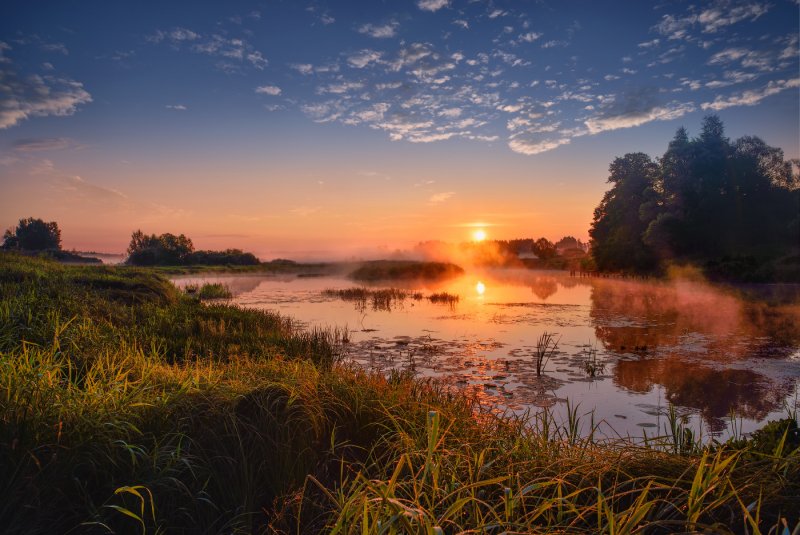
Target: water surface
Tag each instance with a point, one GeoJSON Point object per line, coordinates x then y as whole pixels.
{"type": "Point", "coordinates": [626, 349]}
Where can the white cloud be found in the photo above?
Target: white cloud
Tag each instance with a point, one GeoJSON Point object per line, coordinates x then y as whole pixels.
{"type": "Point", "coordinates": [649, 44]}
{"type": "Point", "coordinates": [751, 97]}
{"type": "Point", "coordinates": [340, 87]}
{"type": "Point", "coordinates": [451, 112]}
{"type": "Point", "coordinates": [302, 68]}
{"type": "Point", "coordinates": [179, 107]}
{"type": "Point", "coordinates": [441, 197]}
{"type": "Point", "coordinates": [728, 55]}
{"type": "Point", "coordinates": [723, 15]}
{"type": "Point", "coordinates": [596, 125]}
{"type": "Point", "coordinates": [462, 23]}
{"type": "Point", "coordinates": [529, 148]}
{"type": "Point", "coordinates": [432, 5]}
{"type": "Point", "coordinates": [380, 31]}
{"type": "Point", "coordinates": [364, 58]}
{"type": "Point", "coordinates": [272, 90]}
{"type": "Point", "coordinates": [38, 96]}
{"type": "Point", "coordinates": [530, 37]}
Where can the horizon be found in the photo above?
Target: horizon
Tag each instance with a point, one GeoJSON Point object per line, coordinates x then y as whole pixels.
{"type": "Point", "coordinates": [352, 128]}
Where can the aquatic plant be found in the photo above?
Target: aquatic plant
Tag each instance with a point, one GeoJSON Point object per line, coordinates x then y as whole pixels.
{"type": "Point", "coordinates": [546, 346]}
{"type": "Point", "coordinates": [213, 290]}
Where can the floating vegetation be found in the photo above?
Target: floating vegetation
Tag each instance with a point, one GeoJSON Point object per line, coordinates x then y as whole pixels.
{"type": "Point", "coordinates": [387, 299]}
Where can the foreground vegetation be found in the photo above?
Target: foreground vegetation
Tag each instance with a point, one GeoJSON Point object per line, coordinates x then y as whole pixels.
{"type": "Point", "coordinates": [128, 407]}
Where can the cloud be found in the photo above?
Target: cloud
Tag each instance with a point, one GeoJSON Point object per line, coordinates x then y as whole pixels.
{"type": "Point", "coordinates": [38, 96]}
{"type": "Point", "coordinates": [723, 15]}
{"type": "Point", "coordinates": [176, 35]}
{"type": "Point", "coordinates": [364, 58]}
{"type": "Point", "coordinates": [432, 5]}
{"type": "Point", "coordinates": [380, 32]}
{"type": "Point", "coordinates": [56, 47]}
{"type": "Point", "coordinates": [178, 107]}
{"type": "Point", "coordinates": [439, 198]}
{"type": "Point", "coordinates": [530, 37]}
{"type": "Point", "coordinates": [451, 112]}
{"type": "Point", "coordinates": [637, 116]}
{"type": "Point", "coordinates": [751, 97]}
{"type": "Point", "coordinates": [340, 88]}
{"type": "Point", "coordinates": [529, 148]}
{"type": "Point", "coordinates": [79, 189]}
{"type": "Point", "coordinates": [216, 45]}
{"type": "Point", "coordinates": [302, 68]}
{"type": "Point", "coordinates": [272, 90]}
{"type": "Point", "coordinates": [43, 144]}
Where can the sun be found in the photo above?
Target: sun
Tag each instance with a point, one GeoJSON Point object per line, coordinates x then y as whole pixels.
{"type": "Point", "coordinates": [478, 235]}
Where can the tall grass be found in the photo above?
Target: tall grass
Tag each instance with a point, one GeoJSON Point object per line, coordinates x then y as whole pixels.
{"type": "Point", "coordinates": [245, 424]}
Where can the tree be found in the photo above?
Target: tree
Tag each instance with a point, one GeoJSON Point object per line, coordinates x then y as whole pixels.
{"type": "Point", "coordinates": [706, 199]}
{"type": "Point", "coordinates": [544, 248]}
{"type": "Point", "coordinates": [166, 249]}
{"type": "Point", "coordinates": [33, 235]}
{"type": "Point", "coordinates": [617, 229]}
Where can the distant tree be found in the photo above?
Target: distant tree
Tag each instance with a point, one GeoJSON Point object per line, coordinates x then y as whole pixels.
{"type": "Point", "coordinates": [544, 248]}
{"type": "Point", "coordinates": [166, 249]}
{"type": "Point", "coordinates": [33, 235]}
{"type": "Point", "coordinates": [10, 239]}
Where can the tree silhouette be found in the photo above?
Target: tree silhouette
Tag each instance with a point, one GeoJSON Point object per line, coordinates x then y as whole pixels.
{"type": "Point", "coordinates": [705, 200]}
{"type": "Point", "coordinates": [33, 235]}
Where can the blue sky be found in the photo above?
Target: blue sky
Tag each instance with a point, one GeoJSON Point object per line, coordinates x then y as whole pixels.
{"type": "Point", "coordinates": [165, 112]}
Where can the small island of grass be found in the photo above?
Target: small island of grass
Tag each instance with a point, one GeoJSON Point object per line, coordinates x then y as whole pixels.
{"type": "Point", "coordinates": [405, 270]}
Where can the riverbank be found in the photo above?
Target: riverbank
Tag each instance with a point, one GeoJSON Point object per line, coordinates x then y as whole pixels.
{"type": "Point", "coordinates": [130, 406]}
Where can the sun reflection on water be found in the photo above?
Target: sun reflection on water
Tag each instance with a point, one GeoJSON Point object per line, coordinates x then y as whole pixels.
{"type": "Point", "coordinates": [480, 288]}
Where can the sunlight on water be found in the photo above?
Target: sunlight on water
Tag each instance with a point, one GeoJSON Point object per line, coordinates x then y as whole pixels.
{"type": "Point", "coordinates": [626, 348]}
{"type": "Point", "coordinates": [480, 289]}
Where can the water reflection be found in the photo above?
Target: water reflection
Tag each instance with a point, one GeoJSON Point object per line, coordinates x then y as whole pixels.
{"type": "Point", "coordinates": [480, 289]}
{"type": "Point", "coordinates": [706, 349]}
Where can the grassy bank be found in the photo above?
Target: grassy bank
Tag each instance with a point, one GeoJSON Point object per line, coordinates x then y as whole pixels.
{"type": "Point", "coordinates": [128, 407]}
{"type": "Point", "coordinates": [405, 270]}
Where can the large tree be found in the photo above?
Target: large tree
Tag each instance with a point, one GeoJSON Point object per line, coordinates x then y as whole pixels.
{"type": "Point", "coordinates": [33, 235]}
{"type": "Point", "coordinates": [618, 226]}
{"type": "Point", "coordinates": [705, 199]}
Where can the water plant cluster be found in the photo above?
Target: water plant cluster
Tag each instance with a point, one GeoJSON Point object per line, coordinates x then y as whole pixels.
{"type": "Point", "coordinates": [129, 407]}
{"type": "Point", "coordinates": [387, 298]}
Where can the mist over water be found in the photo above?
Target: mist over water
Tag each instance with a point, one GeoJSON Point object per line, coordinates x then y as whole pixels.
{"type": "Point", "coordinates": [626, 349]}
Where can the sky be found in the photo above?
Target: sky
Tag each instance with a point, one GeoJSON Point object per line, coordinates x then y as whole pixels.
{"type": "Point", "coordinates": [328, 128]}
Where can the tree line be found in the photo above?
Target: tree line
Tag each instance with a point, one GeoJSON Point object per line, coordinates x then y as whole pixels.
{"type": "Point", "coordinates": [171, 250]}
{"type": "Point", "coordinates": [731, 207]}
{"type": "Point", "coordinates": [33, 235]}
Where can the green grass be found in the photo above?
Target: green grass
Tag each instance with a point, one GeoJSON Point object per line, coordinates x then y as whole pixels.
{"type": "Point", "coordinates": [127, 407]}
{"type": "Point", "coordinates": [405, 270]}
{"type": "Point", "coordinates": [210, 290]}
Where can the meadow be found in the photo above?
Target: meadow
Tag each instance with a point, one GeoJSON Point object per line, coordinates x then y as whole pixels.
{"type": "Point", "coordinates": [128, 406]}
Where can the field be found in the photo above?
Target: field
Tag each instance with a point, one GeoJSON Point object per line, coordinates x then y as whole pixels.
{"type": "Point", "coordinates": [129, 407]}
